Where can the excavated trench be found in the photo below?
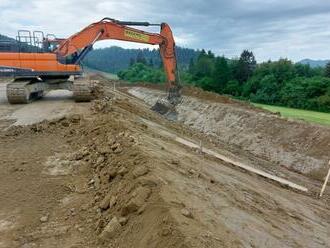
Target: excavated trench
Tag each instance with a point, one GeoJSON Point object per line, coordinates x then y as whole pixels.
{"type": "Point", "coordinates": [301, 147]}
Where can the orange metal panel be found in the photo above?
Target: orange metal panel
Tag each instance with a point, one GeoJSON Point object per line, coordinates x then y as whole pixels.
{"type": "Point", "coordinates": [35, 61]}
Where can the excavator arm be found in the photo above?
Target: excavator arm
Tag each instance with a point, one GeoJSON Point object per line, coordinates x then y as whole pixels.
{"type": "Point", "coordinates": [108, 28]}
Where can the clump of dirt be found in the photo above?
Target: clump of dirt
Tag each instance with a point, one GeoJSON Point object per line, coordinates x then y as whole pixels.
{"type": "Point", "coordinates": [44, 126]}
{"type": "Point", "coordinates": [101, 105]}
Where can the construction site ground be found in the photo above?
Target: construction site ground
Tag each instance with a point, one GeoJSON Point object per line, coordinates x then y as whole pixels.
{"type": "Point", "coordinates": [112, 173]}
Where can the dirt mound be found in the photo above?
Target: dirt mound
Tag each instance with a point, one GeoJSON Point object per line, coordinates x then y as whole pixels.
{"type": "Point", "coordinates": [127, 206]}
{"type": "Point", "coordinates": [125, 188]}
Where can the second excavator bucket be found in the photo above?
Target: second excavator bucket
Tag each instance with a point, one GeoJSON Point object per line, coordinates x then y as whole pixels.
{"type": "Point", "coordinates": [167, 106]}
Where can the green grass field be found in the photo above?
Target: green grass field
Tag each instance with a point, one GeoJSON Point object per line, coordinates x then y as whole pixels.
{"type": "Point", "coordinates": [310, 116]}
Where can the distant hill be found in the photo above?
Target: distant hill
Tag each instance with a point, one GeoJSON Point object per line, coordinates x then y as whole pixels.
{"type": "Point", "coordinates": [5, 38]}
{"type": "Point", "coordinates": [314, 63]}
{"type": "Point", "coordinates": [114, 59]}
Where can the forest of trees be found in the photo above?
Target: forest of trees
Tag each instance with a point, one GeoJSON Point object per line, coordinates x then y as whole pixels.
{"type": "Point", "coordinates": [279, 82]}
{"type": "Point", "coordinates": [114, 59]}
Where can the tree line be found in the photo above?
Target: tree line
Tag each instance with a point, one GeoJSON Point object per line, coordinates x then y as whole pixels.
{"type": "Point", "coordinates": [281, 82]}
{"type": "Point", "coordinates": [114, 59]}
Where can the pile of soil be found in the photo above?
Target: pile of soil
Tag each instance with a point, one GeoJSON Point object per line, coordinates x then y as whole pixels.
{"type": "Point", "coordinates": [122, 204]}
{"type": "Point", "coordinates": [125, 188]}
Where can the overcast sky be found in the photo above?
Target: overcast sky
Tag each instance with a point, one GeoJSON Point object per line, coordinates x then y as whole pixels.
{"type": "Point", "coordinates": [295, 29]}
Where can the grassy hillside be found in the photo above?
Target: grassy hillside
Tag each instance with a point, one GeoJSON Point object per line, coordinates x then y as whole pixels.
{"type": "Point", "coordinates": [310, 116]}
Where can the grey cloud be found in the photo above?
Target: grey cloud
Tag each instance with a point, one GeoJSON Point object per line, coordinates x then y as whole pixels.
{"type": "Point", "coordinates": [271, 28]}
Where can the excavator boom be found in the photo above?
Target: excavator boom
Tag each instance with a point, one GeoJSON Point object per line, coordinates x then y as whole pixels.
{"type": "Point", "coordinates": [109, 28]}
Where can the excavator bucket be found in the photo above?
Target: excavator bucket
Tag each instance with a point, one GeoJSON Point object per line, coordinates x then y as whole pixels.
{"type": "Point", "coordinates": [167, 106]}
{"type": "Point", "coordinates": [162, 106]}
{"type": "Point", "coordinates": [166, 109]}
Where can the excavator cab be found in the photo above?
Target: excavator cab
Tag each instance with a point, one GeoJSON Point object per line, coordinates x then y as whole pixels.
{"type": "Point", "coordinates": [50, 43]}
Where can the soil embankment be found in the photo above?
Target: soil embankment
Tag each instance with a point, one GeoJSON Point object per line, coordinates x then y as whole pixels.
{"type": "Point", "coordinates": [299, 146]}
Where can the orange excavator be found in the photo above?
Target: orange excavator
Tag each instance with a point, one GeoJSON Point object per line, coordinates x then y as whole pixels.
{"type": "Point", "coordinates": [41, 63]}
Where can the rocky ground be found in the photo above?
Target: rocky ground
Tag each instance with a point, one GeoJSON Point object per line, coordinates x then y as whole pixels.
{"type": "Point", "coordinates": [111, 173]}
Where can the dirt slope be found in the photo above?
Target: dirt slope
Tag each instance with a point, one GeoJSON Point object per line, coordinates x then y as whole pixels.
{"type": "Point", "coordinates": [110, 178]}
{"type": "Point", "coordinates": [296, 145]}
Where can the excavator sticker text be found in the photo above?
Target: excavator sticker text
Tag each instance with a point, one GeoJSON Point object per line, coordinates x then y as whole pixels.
{"type": "Point", "coordinates": [136, 36]}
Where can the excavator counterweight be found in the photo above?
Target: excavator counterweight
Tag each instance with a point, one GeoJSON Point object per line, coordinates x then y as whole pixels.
{"type": "Point", "coordinates": [41, 63]}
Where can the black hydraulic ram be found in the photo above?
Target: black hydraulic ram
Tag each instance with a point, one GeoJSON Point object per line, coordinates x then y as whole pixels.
{"type": "Point", "coordinates": [126, 23]}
